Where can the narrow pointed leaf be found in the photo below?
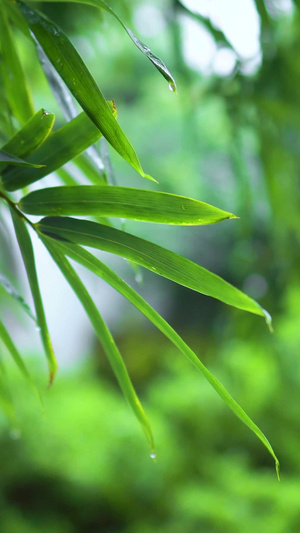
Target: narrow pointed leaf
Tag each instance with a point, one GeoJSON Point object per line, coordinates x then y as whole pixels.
{"type": "Point", "coordinates": [6, 402]}
{"type": "Point", "coordinates": [8, 342]}
{"type": "Point", "coordinates": [151, 256]}
{"type": "Point", "coordinates": [80, 82]}
{"type": "Point", "coordinates": [156, 61]}
{"type": "Point", "coordinates": [31, 136]}
{"type": "Point", "coordinates": [60, 147]}
{"type": "Point", "coordinates": [12, 291]}
{"type": "Point", "coordinates": [86, 259]}
{"type": "Point", "coordinates": [9, 159]}
{"type": "Point", "coordinates": [26, 249]}
{"type": "Point", "coordinates": [123, 202]}
{"type": "Point", "coordinates": [105, 337]}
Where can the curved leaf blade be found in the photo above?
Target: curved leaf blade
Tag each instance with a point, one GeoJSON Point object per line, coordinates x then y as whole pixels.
{"type": "Point", "coordinates": [69, 65]}
{"type": "Point", "coordinates": [151, 256]}
{"type": "Point", "coordinates": [156, 61]}
{"type": "Point", "coordinates": [59, 148]}
{"type": "Point", "coordinates": [31, 136]}
{"type": "Point", "coordinates": [122, 202]}
{"type": "Point", "coordinates": [105, 337]}
{"type": "Point", "coordinates": [26, 249]}
{"type": "Point", "coordinates": [96, 266]}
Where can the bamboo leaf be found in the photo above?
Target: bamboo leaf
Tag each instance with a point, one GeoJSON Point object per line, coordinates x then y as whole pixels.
{"type": "Point", "coordinates": [151, 256]}
{"type": "Point", "coordinates": [9, 159]}
{"type": "Point", "coordinates": [60, 147]}
{"type": "Point", "coordinates": [16, 87]}
{"type": "Point", "coordinates": [156, 61]}
{"type": "Point", "coordinates": [8, 342]}
{"type": "Point", "coordinates": [31, 136]}
{"type": "Point", "coordinates": [96, 266]}
{"type": "Point", "coordinates": [69, 65]}
{"type": "Point", "coordinates": [26, 249]}
{"type": "Point", "coordinates": [12, 291]}
{"type": "Point", "coordinates": [123, 202]}
{"type": "Point", "coordinates": [105, 337]}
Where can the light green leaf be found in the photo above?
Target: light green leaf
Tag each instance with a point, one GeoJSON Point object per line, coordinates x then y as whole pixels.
{"type": "Point", "coordinates": [31, 136]}
{"type": "Point", "coordinates": [80, 82]}
{"type": "Point", "coordinates": [158, 63]}
{"type": "Point", "coordinates": [26, 249]}
{"type": "Point", "coordinates": [123, 202]}
{"type": "Point", "coordinates": [11, 290]}
{"type": "Point", "coordinates": [8, 342]}
{"type": "Point", "coordinates": [60, 147]}
{"type": "Point", "coordinates": [9, 159]}
{"type": "Point", "coordinates": [86, 259]}
{"type": "Point", "coordinates": [105, 337]}
{"type": "Point", "coordinates": [15, 82]}
{"type": "Point", "coordinates": [150, 255]}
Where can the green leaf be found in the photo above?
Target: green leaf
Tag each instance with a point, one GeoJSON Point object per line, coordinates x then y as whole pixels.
{"type": "Point", "coordinates": [11, 290]}
{"type": "Point", "coordinates": [150, 255]}
{"type": "Point", "coordinates": [8, 342]}
{"type": "Point", "coordinates": [86, 259]}
{"type": "Point", "coordinates": [26, 249]}
{"type": "Point", "coordinates": [9, 159]}
{"type": "Point", "coordinates": [15, 82]}
{"type": "Point", "coordinates": [60, 147]}
{"type": "Point", "coordinates": [31, 136]}
{"type": "Point", "coordinates": [105, 337]}
{"type": "Point", "coordinates": [123, 202]}
{"type": "Point", "coordinates": [80, 82]}
{"type": "Point", "coordinates": [158, 63]}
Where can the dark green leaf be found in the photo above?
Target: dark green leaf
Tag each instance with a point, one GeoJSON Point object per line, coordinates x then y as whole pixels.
{"type": "Point", "coordinates": [80, 82]}
{"type": "Point", "coordinates": [29, 262]}
{"type": "Point", "coordinates": [151, 256]}
{"type": "Point", "coordinates": [31, 136]}
{"type": "Point", "coordinates": [123, 202]}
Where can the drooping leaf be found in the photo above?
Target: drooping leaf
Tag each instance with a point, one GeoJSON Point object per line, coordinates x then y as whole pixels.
{"type": "Point", "coordinates": [105, 337]}
{"type": "Point", "coordinates": [16, 86]}
{"type": "Point", "coordinates": [158, 63]}
{"type": "Point", "coordinates": [9, 159]}
{"type": "Point", "coordinates": [123, 202]}
{"type": "Point", "coordinates": [12, 291]}
{"type": "Point", "coordinates": [59, 148]}
{"type": "Point", "coordinates": [31, 136]}
{"type": "Point", "coordinates": [92, 263]}
{"type": "Point", "coordinates": [150, 255]}
{"type": "Point", "coordinates": [80, 82]}
{"type": "Point", "coordinates": [8, 342]}
{"type": "Point", "coordinates": [26, 249]}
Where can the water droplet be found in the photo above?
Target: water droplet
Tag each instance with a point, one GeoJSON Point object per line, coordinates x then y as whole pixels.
{"type": "Point", "coordinates": [37, 328]}
{"type": "Point", "coordinates": [153, 456]}
{"type": "Point", "coordinates": [171, 87]}
{"type": "Point", "coordinates": [139, 277]}
{"type": "Point", "coordinates": [183, 207]}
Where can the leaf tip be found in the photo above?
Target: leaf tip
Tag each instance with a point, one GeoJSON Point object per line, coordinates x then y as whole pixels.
{"type": "Point", "coordinates": [277, 469]}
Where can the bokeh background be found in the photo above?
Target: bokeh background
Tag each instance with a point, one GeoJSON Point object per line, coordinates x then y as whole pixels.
{"type": "Point", "coordinates": [229, 137]}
